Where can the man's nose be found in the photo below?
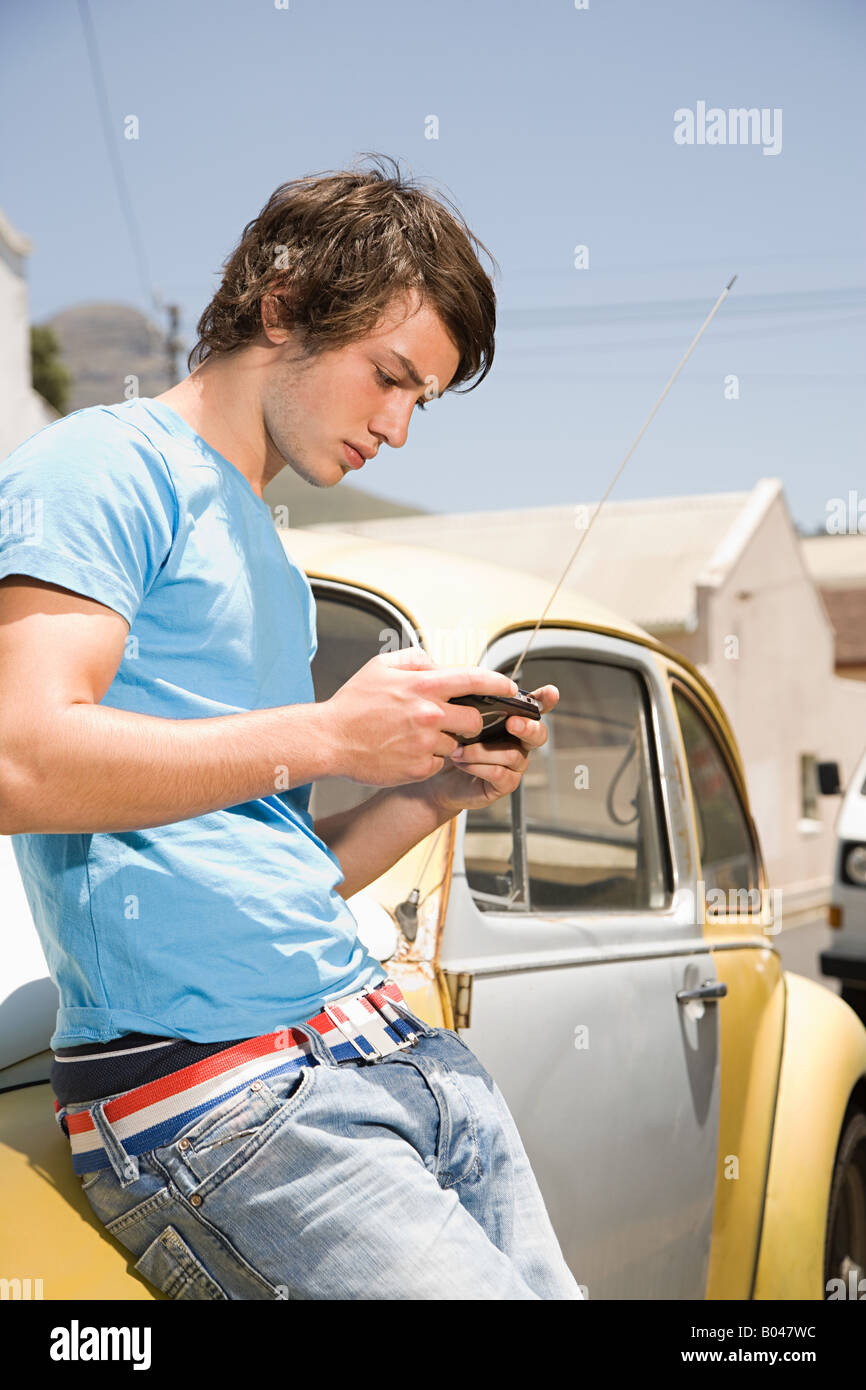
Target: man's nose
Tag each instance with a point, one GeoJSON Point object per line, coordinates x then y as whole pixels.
{"type": "Point", "coordinates": [392, 425]}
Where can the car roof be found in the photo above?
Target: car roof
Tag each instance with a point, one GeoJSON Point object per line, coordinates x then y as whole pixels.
{"type": "Point", "coordinates": [445, 589]}
{"type": "Point", "coordinates": [449, 591]}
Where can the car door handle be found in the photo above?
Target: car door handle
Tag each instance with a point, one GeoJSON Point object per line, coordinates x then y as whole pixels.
{"type": "Point", "coordinates": [712, 989]}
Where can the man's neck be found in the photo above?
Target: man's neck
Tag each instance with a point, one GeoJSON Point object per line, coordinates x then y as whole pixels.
{"type": "Point", "coordinates": [217, 402]}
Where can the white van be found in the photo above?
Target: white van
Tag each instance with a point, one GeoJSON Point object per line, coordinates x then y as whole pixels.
{"type": "Point", "coordinates": [846, 958]}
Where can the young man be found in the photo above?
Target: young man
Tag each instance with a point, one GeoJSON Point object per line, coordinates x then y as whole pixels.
{"type": "Point", "coordinates": [254, 1109]}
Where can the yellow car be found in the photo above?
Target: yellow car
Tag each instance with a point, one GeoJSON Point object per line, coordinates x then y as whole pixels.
{"type": "Point", "coordinates": [604, 940]}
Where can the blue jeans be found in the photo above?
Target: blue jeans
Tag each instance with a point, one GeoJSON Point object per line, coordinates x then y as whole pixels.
{"type": "Point", "coordinates": [399, 1178]}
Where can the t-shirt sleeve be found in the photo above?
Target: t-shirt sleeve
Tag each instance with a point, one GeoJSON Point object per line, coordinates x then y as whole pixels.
{"type": "Point", "coordinates": [90, 507]}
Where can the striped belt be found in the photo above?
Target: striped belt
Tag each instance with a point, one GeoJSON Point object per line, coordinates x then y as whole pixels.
{"type": "Point", "coordinates": [363, 1024]}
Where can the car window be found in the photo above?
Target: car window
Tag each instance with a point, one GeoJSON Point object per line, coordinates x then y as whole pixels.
{"type": "Point", "coordinates": [594, 837]}
{"type": "Point", "coordinates": [350, 631]}
{"type": "Point", "coordinates": [729, 860]}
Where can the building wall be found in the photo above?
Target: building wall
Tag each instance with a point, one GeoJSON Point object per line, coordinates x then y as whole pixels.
{"type": "Point", "coordinates": [22, 410]}
{"type": "Point", "coordinates": [769, 654]}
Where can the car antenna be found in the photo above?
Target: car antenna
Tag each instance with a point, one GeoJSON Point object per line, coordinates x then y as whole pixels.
{"type": "Point", "coordinates": [638, 437]}
{"type": "Point", "coordinates": [406, 912]}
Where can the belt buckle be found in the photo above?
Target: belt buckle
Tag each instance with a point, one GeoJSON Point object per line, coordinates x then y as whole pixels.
{"type": "Point", "coordinates": [368, 1056]}
{"type": "Point", "coordinates": [370, 1025]}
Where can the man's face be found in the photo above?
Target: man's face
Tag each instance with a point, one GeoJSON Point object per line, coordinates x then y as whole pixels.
{"type": "Point", "coordinates": [361, 395]}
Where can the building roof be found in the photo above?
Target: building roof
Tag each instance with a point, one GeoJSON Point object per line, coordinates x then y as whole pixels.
{"type": "Point", "coordinates": [847, 612]}
{"type": "Point", "coordinates": [12, 239]}
{"type": "Point", "coordinates": [643, 558]}
{"type": "Point", "coordinates": [836, 562]}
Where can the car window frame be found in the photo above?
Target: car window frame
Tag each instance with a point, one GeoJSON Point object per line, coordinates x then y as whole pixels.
{"type": "Point", "coordinates": [369, 601]}
{"type": "Point", "coordinates": [613, 652]}
{"type": "Point", "coordinates": [716, 914]}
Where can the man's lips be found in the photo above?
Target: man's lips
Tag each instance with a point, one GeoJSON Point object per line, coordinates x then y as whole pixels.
{"type": "Point", "coordinates": [353, 456]}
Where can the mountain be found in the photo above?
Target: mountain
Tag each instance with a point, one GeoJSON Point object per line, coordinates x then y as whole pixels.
{"type": "Point", "coordinates": [104, 345]}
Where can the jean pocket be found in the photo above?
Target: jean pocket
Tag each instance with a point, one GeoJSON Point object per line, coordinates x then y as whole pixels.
{"type": "Point", "coordinates": [170, 1265]}
{"type": "Point", "coordinates": [157, 1230]}
{"type": "Point", "coordinates": [219, 1142]}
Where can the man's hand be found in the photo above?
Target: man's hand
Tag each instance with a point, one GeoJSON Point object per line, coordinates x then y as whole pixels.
{"type": "Point", "coordinates": [391, 722]}
{"type": "Point", "coordinates": [483, 772]}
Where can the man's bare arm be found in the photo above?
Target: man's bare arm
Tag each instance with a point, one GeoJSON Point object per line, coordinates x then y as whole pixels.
{"type": "Point", "coordinates": [69, 764]}
{"type": "Point", "coordinates": [370, 838]}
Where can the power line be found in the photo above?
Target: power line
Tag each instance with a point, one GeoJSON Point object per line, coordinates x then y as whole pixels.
{"type": "Point", "coordinates": [113, 156]}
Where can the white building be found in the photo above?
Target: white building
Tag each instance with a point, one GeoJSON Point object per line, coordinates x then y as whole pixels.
{"type": "Point", "coordinates": [722, 578]}
{"type": "Point", "coordinates": [22, 410]}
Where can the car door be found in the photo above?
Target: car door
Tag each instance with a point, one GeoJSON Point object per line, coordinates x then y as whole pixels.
{"type": "Point", "coordinates": [741, 917]}
{"type": "Point", "coordinates": [570, 931]}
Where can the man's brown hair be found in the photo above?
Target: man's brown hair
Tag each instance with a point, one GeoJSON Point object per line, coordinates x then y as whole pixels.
{"type": "Point", "coordinates": [335, 248]}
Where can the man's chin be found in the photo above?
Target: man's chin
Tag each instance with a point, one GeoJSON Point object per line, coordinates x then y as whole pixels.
{"type": "Point", "coordinates": [316, 480]}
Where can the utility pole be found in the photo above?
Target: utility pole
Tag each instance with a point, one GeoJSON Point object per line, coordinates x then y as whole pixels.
{"type": "Point", "coordinates": [172, 343]}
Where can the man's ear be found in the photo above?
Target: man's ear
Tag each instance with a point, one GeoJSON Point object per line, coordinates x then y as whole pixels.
{"type": "Point", "coordinates": [273, 316]}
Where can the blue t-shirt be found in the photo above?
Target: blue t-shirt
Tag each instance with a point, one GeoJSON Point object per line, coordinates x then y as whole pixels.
{"type": "Point", "coordinates": [227, 925]}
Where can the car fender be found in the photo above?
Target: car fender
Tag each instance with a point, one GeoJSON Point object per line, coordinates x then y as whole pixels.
{"type": "Point", "coordinates": [823, 1059]}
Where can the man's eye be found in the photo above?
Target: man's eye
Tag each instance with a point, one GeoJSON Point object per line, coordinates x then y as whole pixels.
{"type": "Point", "coordinates": [389, 381]}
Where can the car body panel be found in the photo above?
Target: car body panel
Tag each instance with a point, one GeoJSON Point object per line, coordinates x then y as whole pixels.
{"type": "Point", "coordinates": [824, 1059]}
{"type": "Point", "coordinates": [752, 1023]}
{"type": "Point", "coordinates": [751, 1018]}
{"type": "Point", "coordinates": [49, 1230]}
{"type": "Point", "coordinates": [622, 1133]}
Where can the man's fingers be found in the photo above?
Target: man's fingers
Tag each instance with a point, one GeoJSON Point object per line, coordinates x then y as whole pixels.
{"type": "Point", "coordinates": [446, 746]}
{"type": "Point", "coordinates": [531, 732]}
{"type": "Point", "coordinates": [463, 721]}
{"type": "Point", "coordinates": [547, 696]}
{"type": "Point", "coordinates": [479, 756]}
{"type": "Point", "coordinates": [500, 775]}
{"type": "Point", "coordinates": [468, 680]}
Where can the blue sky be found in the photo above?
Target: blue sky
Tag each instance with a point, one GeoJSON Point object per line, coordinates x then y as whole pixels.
{"type": "Point", "coordinates": [556, 128]}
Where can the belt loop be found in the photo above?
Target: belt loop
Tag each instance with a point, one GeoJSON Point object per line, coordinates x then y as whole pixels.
{"type": "Point", "coordinates": [419, 1025]}
{"type": "Point", "coordinates": [124, 1164]}
{"type": "Point", "coordinates": [318, 1046]}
